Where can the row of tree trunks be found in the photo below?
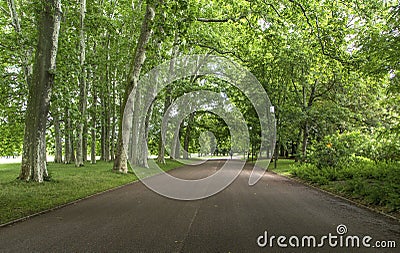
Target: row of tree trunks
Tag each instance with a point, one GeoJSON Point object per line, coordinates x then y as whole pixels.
{"type": "Point", "coordinates": [71, 130]}
{"type": "Point", "coordinates": [65, 136]}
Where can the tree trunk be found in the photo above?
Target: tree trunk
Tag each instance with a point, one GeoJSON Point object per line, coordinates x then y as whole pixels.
{"type": "Point", "coordinates": [105, 127]}
{"type": "Point", "coordinates": [67, 146]}
{"type": "Point", "coordinates": [161, 151]}
{"type": "Point", "coordinates": [187, 137]}
{"type": "Point", "coordinates": [58, 142]}
{"type": "Point", "coordinates": [167, 102]}
{"type": "Point", "coordinates": [82, 89]}
{"type": "Point", "coordinates": [112, 142]}
{"type": "Point", "coordinates": [305, 131]}
{"type": "Point", "coordinates": [120, 163]}
{"type": "Point", "coordinates": [113, 116]}
{"type": "Point", "coordinates": [176, 145]}
{"type": "Point", "coordinates": [282, 151]}
{"type": "Point", "coordinates": [93, 143]}
{"type": "Point", "coordinates": [144, 148]}
{"type": "Point", "coordinates": [85, 142]}
{"type": "Point", "coordinates": [107, 133]}
{"type": "Point", "coordinates": [69, 156]}
{"type": "Point", "coordinates": [135, 139]}
{"type": "Point", "coordinates": [107, 107]}
{"type": "Point", "coordinates": [72, 153]}
{"type": "Point", "coordinates": [94, 125]}
{"type": "Point", "coordinates": [102, 139]}
{"type": "Point", "coordinates": [33, 165]}
{"type": "Point", "coordinates": [276, 154]}
{"type": "Point", "coordinates": [161, 146]}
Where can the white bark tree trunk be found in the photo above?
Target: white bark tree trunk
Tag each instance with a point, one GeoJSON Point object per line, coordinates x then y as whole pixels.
{"type": "Point", "coordinates": [94, 125]}
{"type": "Point", "coordinates": [68, 147]}
{"type": "Point", "coordinates": [120, 163]}
{"type": "Point", "coordinates": [168, 100]}
{"type": "Point", "coordinates": [82, 89]}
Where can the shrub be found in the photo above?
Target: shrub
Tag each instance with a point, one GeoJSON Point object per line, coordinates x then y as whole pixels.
{"type": "Point", "coordinates": [375, 183]}
{"type": "Point", "coordinates": [311, 173]}
{"type": "Point", "coordinates": [385, 148]}
{"type": "Point", "coordinates": [338, 149]}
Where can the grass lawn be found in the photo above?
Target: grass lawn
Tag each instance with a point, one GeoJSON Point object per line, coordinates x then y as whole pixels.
{"type": "Point", "coordinates": [283, 166]}
{"type": "Point", "coordinates": [19, 199]}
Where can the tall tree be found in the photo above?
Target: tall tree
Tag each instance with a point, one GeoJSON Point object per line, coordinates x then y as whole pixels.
{"type": "Point", "coordinates": [33, 165]}
{"type": "Point", "coordinates": [120, 163]}
{"type": "Point", "coordinates": [168, 99]}
{"type": "Point", "coordinates": [93, 128]}
{"type": "Point", "coordinates": [82, 90]}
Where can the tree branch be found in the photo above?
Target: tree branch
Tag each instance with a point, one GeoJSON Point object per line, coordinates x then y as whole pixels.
{"type": "Point", "coordinates": [249, 23]}
{"type": "Point", "coordinates": [328, 89]}
{"type": "Point", "coordinates": [296, 90]}
{"type": "Point", "coordinates": [312, 95]}
{"type": "Point", "coordinates": [323, 49]}
{"type": "Point", "coordinates": [303, 10]}
{"type": "Point", "coordinates": [5, 11]}
{"type": "Point", "coordinates": [223, 52]}
{"type": "Point", "coordinates": [318, 35]}
{"type": "Point", "coordinates": [273, 7]}
{"type": "Point", "coordinates": [213, 20]}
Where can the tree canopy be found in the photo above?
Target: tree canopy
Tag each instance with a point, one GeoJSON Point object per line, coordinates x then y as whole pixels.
{"type": "Point", "coordinates": [329, 68]}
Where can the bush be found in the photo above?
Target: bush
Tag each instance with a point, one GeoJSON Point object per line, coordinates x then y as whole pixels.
{"type": "Point", "coordinates": [311, 173]}
{"type": "Point", "coordinates": [338, 149]}
{"type": "Point", "coordinates": [385, 148]}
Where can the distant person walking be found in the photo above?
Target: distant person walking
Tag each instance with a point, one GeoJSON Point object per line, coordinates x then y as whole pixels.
{"type": "Point", "coordinates": [231, 153]}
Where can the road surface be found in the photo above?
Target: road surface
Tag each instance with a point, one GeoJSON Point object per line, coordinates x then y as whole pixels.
{"type": "Point", "coordinates": [135, 219]}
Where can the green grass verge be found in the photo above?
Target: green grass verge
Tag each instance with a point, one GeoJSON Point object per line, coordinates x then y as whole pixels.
{"type": "Point", "coordinates": [19, 199]}
{"type": "Point", "coordinates": [283, 166]}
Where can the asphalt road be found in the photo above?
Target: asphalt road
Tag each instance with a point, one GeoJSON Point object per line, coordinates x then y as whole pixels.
{"type": "Point", "coordinates": [135, 219]}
